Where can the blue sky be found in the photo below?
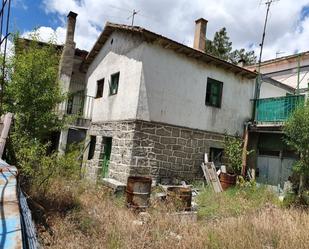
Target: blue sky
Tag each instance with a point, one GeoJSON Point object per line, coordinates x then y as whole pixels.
{"type": "Point", "coordinates": [27, 15]}
{"type": "Point", "coordinates": [304, 12]}
{"type": "Point", "coordinates": [287, 30]}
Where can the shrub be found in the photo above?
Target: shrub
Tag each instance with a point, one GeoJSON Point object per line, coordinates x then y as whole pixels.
{"type": "Point", "coordinates": [38, 167]}
{"type": "Point", "coordinates": [233, 153]}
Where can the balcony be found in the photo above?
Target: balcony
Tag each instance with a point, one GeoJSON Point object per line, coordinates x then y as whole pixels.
{"type": "Point", "coordinates": [80, 106]}
{"type": "Point", "coordinates": [277, 110]}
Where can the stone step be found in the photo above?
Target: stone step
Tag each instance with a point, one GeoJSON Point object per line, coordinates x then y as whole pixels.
{"type": "Point", "coordinates": [116, 186]}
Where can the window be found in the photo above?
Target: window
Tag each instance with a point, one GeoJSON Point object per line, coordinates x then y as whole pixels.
{"type": "Point", "coordinates": [216, 156]}
{"type": "Point", "coordinates": [93, 140]}
{"type": "Point", "coordinates": [100, 87]}
{"type": "Point", "coordinates": [214, 92]}
{"type": "Point", "coordinates": [113, 87]}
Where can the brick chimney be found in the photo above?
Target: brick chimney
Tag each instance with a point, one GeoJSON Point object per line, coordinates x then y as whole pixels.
{"type": "Point", "coordinates": [71, 22]}
{"type": "Point", "coordinates": [65, 73]}
{"type": "Point", "coordinates": [200, 34]}
{"type": "Point", "coordinates": [67, 56]}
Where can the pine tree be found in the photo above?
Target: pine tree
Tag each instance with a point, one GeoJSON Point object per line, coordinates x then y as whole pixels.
{"type": "Point", "coordinates": [248, 57]}
{"type": "Point", "coordinates": [221, 47]}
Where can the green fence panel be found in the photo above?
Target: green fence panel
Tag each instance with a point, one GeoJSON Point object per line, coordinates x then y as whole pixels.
{"type": "Point", "coordinates": [277, 109]}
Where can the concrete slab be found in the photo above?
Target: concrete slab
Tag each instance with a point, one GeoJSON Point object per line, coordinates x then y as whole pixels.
{"type": "Point", "coordinates": [116, 186]}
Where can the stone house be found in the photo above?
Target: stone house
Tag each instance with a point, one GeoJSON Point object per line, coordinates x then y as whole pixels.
{"type": "Point", "coordinates": [148, 105]}
{"type": "Point", "coordinates": [160, 105]}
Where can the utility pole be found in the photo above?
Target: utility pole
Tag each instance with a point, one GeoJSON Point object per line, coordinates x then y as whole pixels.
{"type": "Point", "coordinates": [259, 77]}
{"type": "Point", "coordinates": [298, 73]}
{"type": "Point", "coordinates": [268, 3]}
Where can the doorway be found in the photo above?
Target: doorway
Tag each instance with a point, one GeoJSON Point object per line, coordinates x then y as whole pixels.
{"type": "Point", "coordinates": [107, 145]}
{"type": "Point", "coordinates": [274, 169]}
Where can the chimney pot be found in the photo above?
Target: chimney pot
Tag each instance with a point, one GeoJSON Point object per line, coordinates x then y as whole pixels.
{"type": "Point", "coordinates": [72, 14]}
{"type": "Point", "coordinates": [200, 34]}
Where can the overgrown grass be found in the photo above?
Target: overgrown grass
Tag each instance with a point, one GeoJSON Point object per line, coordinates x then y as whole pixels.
{"type": "Point", "coordinates": [234, 201]}
{"type": "Point", "coordinates": [103, 221]}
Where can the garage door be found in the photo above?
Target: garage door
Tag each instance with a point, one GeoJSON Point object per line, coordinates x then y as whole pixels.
{"type": "Point", "coordinates": [273, 170]}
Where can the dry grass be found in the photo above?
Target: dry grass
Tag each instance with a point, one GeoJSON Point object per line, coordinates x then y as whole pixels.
{"type": "Point", "coordinates": [100, 221]}
{"type": "Point", "coordinates": [234, 201]}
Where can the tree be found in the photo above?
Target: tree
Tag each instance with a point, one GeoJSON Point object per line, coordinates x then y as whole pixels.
{"type": "Point", "coordinates": [221, 47]}
{"type": "Point", "coordinates": [33, 92]}
{"type": "Point", "coordinates": [296, 130]}
{"type": "Point", "coordinates": [248, 57]}
{"type": "Point", "coordinates": [233, 153]}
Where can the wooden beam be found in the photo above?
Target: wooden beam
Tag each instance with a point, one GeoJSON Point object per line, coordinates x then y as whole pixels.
{"type": "Point", "coordinates": [168, 45]}
{"type": "Point", "coordinates": [245, 152]}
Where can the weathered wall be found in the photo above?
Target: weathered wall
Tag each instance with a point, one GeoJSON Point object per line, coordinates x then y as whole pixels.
{"type": "Point", "coordinates": [122, 134]}
{"type": "Point", "coordinates": [285, 70]}
{"type": "Point", "coordinates": [177, 151]}
{"type": "Point", "coordinates": [269, 91]}
{"type": "Point", "coordinates": [149, 148]}
{"type": "Point", "coordinates": [173, 91]}
{"type": "Point", "coordinates": [160, 85]}
{"type": "Point", "coordinates": [121, 53]}
{"type": "Point", "coordinates": [78, 81]}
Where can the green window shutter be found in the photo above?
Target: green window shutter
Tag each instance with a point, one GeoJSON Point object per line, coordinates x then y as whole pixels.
{"type": "Point", "coordinates": [214, 92]}
{"type": "Point", "coordinates": [114, 84]}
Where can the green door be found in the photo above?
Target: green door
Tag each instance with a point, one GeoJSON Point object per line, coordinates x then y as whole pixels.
{"type": "Point", "coordinates": [107, 141]}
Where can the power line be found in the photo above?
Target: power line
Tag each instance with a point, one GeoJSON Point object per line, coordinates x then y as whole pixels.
{"type": "Point", "coordinates": [119, 8]}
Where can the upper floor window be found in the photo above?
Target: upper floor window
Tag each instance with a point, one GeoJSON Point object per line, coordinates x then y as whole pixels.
{"type": "Point", "coordinates": [113, 87]}
{"type": "Point", "coordinates": [100, 87]}
{"type": "Point", "coordinates": [214, 93]}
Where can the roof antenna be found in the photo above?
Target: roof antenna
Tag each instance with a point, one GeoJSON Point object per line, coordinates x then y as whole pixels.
{"type": "Point", "coordinates": [132, 16]}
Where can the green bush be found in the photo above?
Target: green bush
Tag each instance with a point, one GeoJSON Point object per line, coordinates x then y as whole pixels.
{"type": "Point", "coordinates": [233, 153]}
{"type": "Point", "coordinates": [39, 167]}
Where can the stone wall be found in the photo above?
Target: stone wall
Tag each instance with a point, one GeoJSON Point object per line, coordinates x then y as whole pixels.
{"type": "Point", "coordinates": [148, 148]}
{"type": "Point", "coordinates": [122, 134]}
{"type": "Point", "coordinates": [173, 152]}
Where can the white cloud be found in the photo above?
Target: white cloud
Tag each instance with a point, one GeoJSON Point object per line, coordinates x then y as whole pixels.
{"type": "Point", "coordinates": [175, 19]}
{"type": "Point", "coordinates": [47, 34]}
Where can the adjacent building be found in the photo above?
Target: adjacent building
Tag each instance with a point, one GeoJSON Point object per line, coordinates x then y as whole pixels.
{"type": "Point", "coordinates": [73, 83]}
{"type": "Point", "coordinates": [287, 79]}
